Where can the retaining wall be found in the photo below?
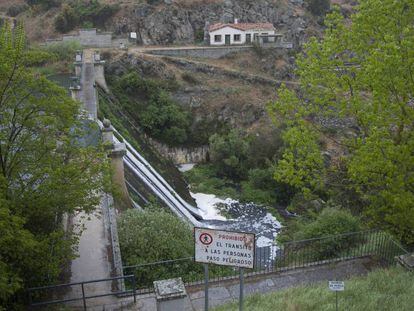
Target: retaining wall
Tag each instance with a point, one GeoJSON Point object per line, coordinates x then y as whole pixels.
{"type": "Point", "coordinates": [207, 52]}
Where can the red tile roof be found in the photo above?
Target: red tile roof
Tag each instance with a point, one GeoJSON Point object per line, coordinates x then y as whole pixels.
{"type": "Point", "coordinates": [243, 26]}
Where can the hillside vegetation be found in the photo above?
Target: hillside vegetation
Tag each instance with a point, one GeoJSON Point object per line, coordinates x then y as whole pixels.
{"type": "Point", "coordinates": [381, 290]}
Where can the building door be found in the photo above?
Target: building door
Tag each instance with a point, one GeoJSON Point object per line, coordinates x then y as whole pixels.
{"type": "Point", "coordinates": [227, 38]}
{"type": "Point", "coordinates": [248, 38]}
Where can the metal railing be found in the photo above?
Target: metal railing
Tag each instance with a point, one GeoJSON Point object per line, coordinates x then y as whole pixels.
{"type": "Point", "coordinates": [54, 294]}
{"type": "Point", "coordinates": [288, 256]}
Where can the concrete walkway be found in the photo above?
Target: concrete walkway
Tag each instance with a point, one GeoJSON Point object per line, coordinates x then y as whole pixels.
{"type": "Point", "coordinates": [228, 291]}
{"type": "Point", "coordinates": [88, 91]}
{"type": "Point", "coordinates": [93, 262]}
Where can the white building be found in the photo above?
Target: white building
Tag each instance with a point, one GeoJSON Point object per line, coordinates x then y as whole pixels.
{"type": "Point", "coordinates": [239, 33]}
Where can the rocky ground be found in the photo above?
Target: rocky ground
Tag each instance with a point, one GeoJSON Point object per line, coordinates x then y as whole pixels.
{"type": "Point", "coordinates": [221, 90]}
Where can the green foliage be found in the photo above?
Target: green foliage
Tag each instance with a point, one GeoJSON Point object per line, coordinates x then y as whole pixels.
{"type": "Point", "coordinates": [199, 35]}
{"type": "Point", "coordinates": [188, 77]}
{"type": "Point", "coordinates": [45, 170]}
{"type": "Point", "coordinates": [95, 12]}
{"type": "Point", "coordinates": [330, 222]}
{"type": "Point", "coordinates": [361, 71]}
{"type": "Point", "coordinates": [67, 19]}
{"type": "Point", "coordinates": [156, 112]}
{"type": "Point", "coordinates": [63, 51]}
{"type": "Point", "coordinates": [151, 236]}
{"type": "Point", "coordinates": [155, 235]}
{"type": "Point", "coordinates": [91, 13]}
{"type": "Point", "coordinates": [16, 9]}
{"type": "Point", "coordinates": [44, 4]}
{"type": "Point", "coordinates": [143, 236]}
{"type": "Point", "coordinates": [380, 290]}
{"type": "Point", "coordinates": [202, 178]}
{"type": "Point", "coordinates": [242, 168]}
{"type": "Point", "coordinates": [318, 7]}
{"type": "Point", "coordinates": [229, 154]}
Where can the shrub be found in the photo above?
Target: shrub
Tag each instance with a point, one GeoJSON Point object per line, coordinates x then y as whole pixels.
{"type": "Point", "coordinates": [64, 51]}
{"type": "Point", "coordinates": [318, 7]}
{"type": "Point", "coordinates": [229, 154]}
{"type": "Point", "coordinates": [331, 221]}
{"type": "Point", "coordinates": [160, 116]}
{"type": "Point", "coordinates": [44, 4]}
{"type": "Point", "coordinates": [16, 9]}
{"type": "Point", "coordinates": [92, 13]}
{"type": "Point", "coordinates": [67, 20]}
{"type": "Point", "coordinates": [189, 78]}
{"type": "Point", "coordinates": [152, 236]}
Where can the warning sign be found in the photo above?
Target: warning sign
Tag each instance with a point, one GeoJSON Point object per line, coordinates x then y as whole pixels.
{"type": "Point", "coordinates": [225, 248]}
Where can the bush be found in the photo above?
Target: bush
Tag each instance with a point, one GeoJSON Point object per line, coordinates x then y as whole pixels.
{"type": "Point", "coordinates": [92, 13]}
{"type": "Point", "coordinates": [152, 236]}
{"type": "Point", "coordinates": [67, 20]}
{"type": "Point", "coordinates": [44, 4]}
{"type": "Point", "coordinates": [229, 154]}
{"type": "Point", "coordinates": [203, 179]}
{"type": "Point", "coordinates": [318, 7]}
{"type": "Point", "coordinates": [156, 112]}
{"type": "Point", "coordinates": [189, 78]}
{"type": "Point", "coordinates": [64, 51]}
{"type": "Point", "coordinates": [331, 221]}
{"type": "Point", "coordinates": [16, 9]}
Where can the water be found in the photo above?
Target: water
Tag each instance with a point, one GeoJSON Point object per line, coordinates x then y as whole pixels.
{"type": "Point", "coordinates": [243, 217]}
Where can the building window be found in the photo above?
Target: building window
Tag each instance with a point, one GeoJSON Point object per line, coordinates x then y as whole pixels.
{"type": "Point", "coordinates": [237, 38]}
{"type": "Point", "coordinates": [217, 38]}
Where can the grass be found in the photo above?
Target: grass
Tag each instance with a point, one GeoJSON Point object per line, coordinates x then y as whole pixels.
{"type": "Point", "coordinates": [390, 289]}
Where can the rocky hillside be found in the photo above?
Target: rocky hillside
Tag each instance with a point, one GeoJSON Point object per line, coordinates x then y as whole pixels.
{"type": "Point", "coordinates": [158, 21]}
{"type": "Point", "coordinates": [215, 96]}
{"type": "Point", "coordinates": [183, 21]}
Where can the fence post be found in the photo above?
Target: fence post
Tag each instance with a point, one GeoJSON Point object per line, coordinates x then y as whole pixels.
{"type": "Point", "coordinates": [83, 297]}
{"type": "Point", "coordinates": [29, 292]}
{"type": "Point", "coordinates": [134, 284]}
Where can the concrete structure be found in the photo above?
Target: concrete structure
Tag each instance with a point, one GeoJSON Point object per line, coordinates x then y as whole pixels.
{"type": "Point", "coordinates": [238, 33]}
{"type": "Point", "coordinates": [170, 294]}
{"type": "Point", "coordinates": [227, 291]}
{"type": "Point", "coordinates": [99, 71]}
{"type": "Point", "coordinates": [91, 38]}
{"type": "Point", "coordinates": [116, 153]}
{"type": "Point", "coordinates": [203, 52]}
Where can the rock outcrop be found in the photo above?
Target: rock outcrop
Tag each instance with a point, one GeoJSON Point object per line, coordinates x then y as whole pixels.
{"type": "Point", "coordinates": [183, 21]}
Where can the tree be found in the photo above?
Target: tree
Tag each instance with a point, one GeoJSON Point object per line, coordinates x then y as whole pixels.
{"type": "Point", "coordinates": [46, 169]}
{"type": "Point", "coordinates": [361, 72]}
{"type": "Point", "coordinates": [67, 20]}
{"type": "Point", "coordinates": [229, 153]}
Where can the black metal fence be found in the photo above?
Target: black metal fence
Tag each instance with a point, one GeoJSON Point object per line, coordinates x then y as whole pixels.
{"type": "Point", "coordinates": [138, 279]}
{"type": "Point", "coordinates": [72, 292]}
{"type": "Point", "coordinates": [292, 255]}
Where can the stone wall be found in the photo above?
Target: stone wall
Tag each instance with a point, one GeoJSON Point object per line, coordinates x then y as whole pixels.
{"type": "Point", "coordinates": [205, 52]}
{"type": "Point", "coordinates": [212, 52]}
{"type": "Point", "coordinates": [181, 155]}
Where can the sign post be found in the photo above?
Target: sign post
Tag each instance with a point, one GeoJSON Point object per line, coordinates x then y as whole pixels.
{"type": "Point", "coordinates": [205, 287]}
{"type": "Point", "coordinates": [241, 290]}
{"type": "Point", "coordinates": [336, 286]}
{"type": "Point", "coordinates": [225, 248]}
